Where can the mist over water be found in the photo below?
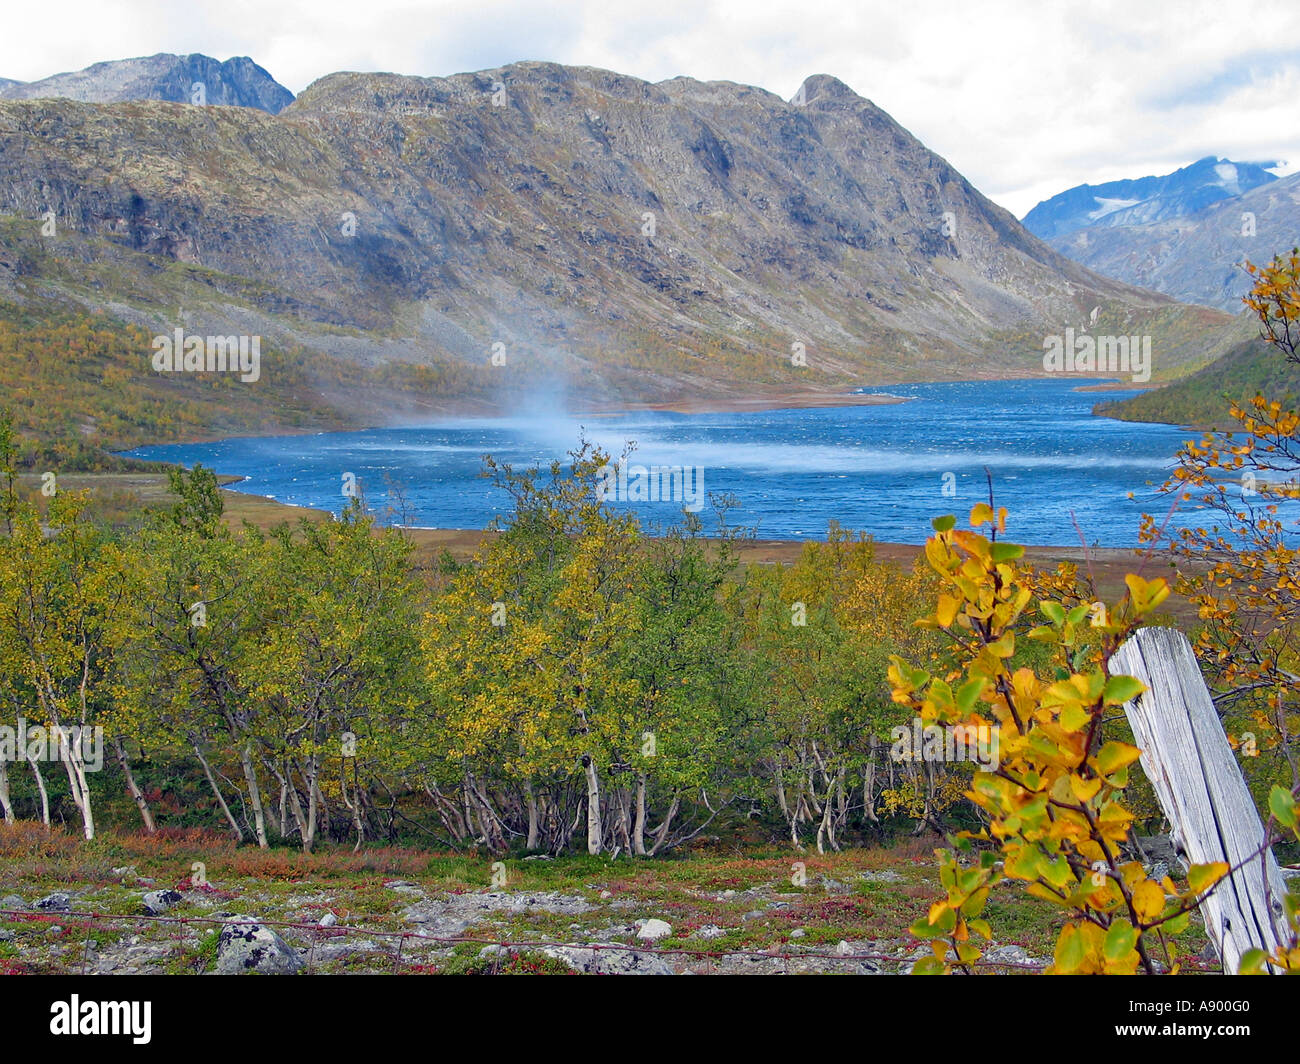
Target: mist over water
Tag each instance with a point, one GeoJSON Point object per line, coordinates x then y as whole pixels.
{"type": "Point", "coordinates": [880, 469]}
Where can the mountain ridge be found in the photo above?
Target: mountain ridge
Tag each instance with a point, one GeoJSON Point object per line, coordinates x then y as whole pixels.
{"type": "Point", "coordinates": [237, 82]}
{"type": "Point", "coordinates": [620, 239]}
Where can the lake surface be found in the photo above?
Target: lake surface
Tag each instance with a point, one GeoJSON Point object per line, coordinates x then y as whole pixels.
{"type": "Point", "coordinates": [881, 469]}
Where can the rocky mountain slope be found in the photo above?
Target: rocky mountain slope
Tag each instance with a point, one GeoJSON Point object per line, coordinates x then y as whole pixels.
{"type": "Point", "coordinates": [1197, 258]}
{"type": "Point", "coordinates": [236, 82]}
{"type": "Point", "coordinates": [542, 224]}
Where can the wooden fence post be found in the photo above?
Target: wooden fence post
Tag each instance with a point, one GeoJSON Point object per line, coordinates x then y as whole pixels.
{"type": "Point", "coordinates": [1186, 755]}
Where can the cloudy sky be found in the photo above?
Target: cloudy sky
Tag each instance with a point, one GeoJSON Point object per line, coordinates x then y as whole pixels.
{"type": "Point", "coordinates": [1025, 97]}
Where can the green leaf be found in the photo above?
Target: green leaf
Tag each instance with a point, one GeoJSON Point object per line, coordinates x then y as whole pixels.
{"type": "Point", "coordinates": [1006, 552]}
{"type": "Point", "coordinates": [1120, 940]}
{"type": "Point", "coordinates": [945, 523]}
{"type": "Point", "coordinates": [923, 929]}
{"type": "Point", "coordinates": [1070, 950]}
{"type": "Point", "coordinates": [1121, 689]}
{"type": "Point", "coordinates": [968, 693]}
{"type": "Point", "coordinates": [1282, 806]}
{"type": "Point", "coordinates": [1252, 962]}
{"type": "Point", "coordinates": [1053, 611]}
{"type": "Point", "coordinates": [928, 966]}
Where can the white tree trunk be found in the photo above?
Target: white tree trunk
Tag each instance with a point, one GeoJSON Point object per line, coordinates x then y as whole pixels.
{"type": "Point", "coordinates": [1186, 756]}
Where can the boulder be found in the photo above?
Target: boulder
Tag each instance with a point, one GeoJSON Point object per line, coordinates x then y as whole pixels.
{"type": "Point", "coordinates": [54, 903]}
{"type": "Point", "coordinates": [244, 945]}
{"type": "Point", "coordinates": [654, 930]}
{"type": "Point", "coordinates": [157, 902]}
{"type": "Point", "coordinates": [609, 961]}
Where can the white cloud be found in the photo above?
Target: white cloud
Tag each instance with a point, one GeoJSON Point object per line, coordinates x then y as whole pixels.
{"type": "Point", "coordinates": [1025, 99]}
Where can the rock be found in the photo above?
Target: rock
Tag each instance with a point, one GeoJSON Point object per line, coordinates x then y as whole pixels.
{"type": "Point", "coordinates": [798, 932]}
{"type": "Point", "coordinates": [539, 857]}
{"type": "Point", "coordinates": [488, 952]}
{"type": "Point", "coordinates": [605, 894]}
{"type": "Point", "coordinates": [6, 936]}
{"type": "Point", "coordinates": [57, 903]}
{"type": "Point", "coordinates": [753, 914]}
{"type": "Point", "coordinates": [843, 949]}
{"type": "Point", "coordinates": [55, 929]}
{"type": "Point", "coordinates": [12, 901]}
{"type": "Point", "coordinates": [609, 961]}
{"type": "Point", "coordinates": [726, 894]}
{"type": "Point", "coordinates": [456, 912]}
{"type": "Point", "coordinates": [328, 920]}
{"type": "Point", "coordinates": [1009, 955]}
{"type": "Point", "coordinates": [247, 946]}
{"type": "Point", "coordinates": [124, 871]}
{"type": "Point", "coordinates": [709, 931]}
{"type": "Point", "coordinates": [158, 902]}
{"type": "Point", "coordinates": [1210, 953]}
{"type": "Point", "coordinates": [654, 930]}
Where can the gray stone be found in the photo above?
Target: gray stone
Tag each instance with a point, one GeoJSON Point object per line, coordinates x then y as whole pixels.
{"type": "Point", "coordinates": [654, 930]}
{"type": "Point", "coordinates": [1009, 955]}
{"type": "Point", "coordinates": [244, 945]}
{"type": "Point", "coordinates": [709, 931]}
{"type": "Point", "coordinates": [609, 961]}
{"type": "Point", "coordinates": [158, 902]}
{"type": "Point", "coordinates": [12, 901]}
{"type": "Point", "coordinates": [328, 920]}
{"type": "Point", "coordinates": [55, 903]}
{"type": "Point", "coordinates": [798, 932]}
{"type": "Point", "coordinates": [456, 912]}
{"type": "Point", "coordinates": [6, 936]}
{"type": "Point", "coordinates": [753, 915]}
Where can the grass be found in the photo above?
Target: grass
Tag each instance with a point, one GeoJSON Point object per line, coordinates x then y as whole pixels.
{"type": "Point", "coordinates": [865, 896]}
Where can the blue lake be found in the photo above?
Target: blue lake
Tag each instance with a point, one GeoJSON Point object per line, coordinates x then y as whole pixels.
{"type": "Point", "coordinates": [881, 469]}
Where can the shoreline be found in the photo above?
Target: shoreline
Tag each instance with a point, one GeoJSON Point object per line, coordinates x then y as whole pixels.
{"type": "Point", "coordinates": [469, 538]}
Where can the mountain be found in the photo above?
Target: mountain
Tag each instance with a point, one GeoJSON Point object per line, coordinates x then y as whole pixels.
{"type": "Point", "coordinates": [1145, 199]}
{"type": "Point", "coordinates": [611, 240]}
{"type": "Point", "coordinates": [236, 82]}
{"type": "Point", "coordinates": [1197, 258]}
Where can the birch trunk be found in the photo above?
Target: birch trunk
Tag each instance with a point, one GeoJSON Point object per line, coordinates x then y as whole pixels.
{"type": "Point", "coordinates": [230, 819]}
{"type": "Point", "coordinates": [594, 829]}
{"type": "Point", "coordinates": [254, 795]}
{"type": "Point", "coordinates": [133, 788]}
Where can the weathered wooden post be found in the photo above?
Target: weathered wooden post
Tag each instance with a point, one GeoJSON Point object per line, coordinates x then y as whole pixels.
{"type": "Point", "coordinates": [1186, 755]}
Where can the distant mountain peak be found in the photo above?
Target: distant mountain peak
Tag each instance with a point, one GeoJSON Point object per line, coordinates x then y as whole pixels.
{"type": "Point", "coordinates": [236, 82]}
{"type": "Point", "coordinates": [823, 89]}
{"type": "Point", "coordinates": [1144, 200]}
